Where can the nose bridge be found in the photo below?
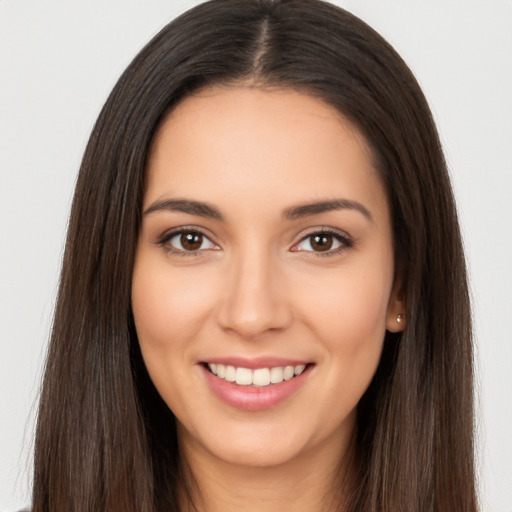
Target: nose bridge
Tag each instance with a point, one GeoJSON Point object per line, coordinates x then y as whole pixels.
{"type": "Point", "coordinates": [254, 301]}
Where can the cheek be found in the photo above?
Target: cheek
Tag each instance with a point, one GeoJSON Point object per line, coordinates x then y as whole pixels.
{"type": "Point", "coordinates": [350, 322]}
{"type": "Point", "coordinates": [350, 306]}
{"type": "Point", "coordinates": [169, 310]}
{"type": "Point", "coordinates": [167, 306]}
{"type": "Point", "coordinates": [349, 319]}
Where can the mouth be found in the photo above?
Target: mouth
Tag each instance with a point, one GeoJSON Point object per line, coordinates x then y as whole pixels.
{"type": "Point", "coordinates": [259, 377]}
{"type": "Point", "coordinates": [258, 384]}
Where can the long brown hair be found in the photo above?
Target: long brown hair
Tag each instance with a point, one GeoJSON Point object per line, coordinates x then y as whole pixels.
{"type": "Point", "coordinates": [105, 440]}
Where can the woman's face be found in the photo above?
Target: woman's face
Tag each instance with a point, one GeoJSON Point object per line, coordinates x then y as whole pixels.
{"type": "Point", "coordinates": [265, 251]}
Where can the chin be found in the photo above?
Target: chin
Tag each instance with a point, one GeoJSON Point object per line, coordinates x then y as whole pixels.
{"type": "Point", "coordinates": [257, 454]}
{"type": "Point", "coordinates": [248, 443]}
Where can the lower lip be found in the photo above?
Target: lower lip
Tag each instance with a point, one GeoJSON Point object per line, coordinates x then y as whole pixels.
{"type": "Point", "coordinates": [253, 398]}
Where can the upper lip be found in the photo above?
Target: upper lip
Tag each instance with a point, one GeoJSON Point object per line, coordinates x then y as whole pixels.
{"type": "Point", "coordinates": [257, 362]}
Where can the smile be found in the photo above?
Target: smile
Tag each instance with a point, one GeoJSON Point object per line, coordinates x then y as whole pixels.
{"type": "Point", "coordinates": [267, 383]}
{"type": "Point", "coordinates": [259, 377]}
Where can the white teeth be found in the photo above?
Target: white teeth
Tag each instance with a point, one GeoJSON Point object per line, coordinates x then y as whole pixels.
{"type": "Point", "coordinates": [289, 372]}
{"type": "Point", "coordinates": [276, 375]}
{"type": "Point", "coordinates": [299, 369]}
{"type": "Point", "coordinates": [259, 377]}
{"type": "Point", "coordinates": [243, 376]}
{"type": "Point", "coordinates": [230, 373]}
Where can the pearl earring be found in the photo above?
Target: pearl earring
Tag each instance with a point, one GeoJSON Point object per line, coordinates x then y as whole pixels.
{"type": "Point", "coordinates": [399, 318]}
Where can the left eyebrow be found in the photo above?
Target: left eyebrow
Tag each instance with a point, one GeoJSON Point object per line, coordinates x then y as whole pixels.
{"type": "Point", "coordinates": [305, 210]}
{"type": "Point", "coordinates": [186, 206]}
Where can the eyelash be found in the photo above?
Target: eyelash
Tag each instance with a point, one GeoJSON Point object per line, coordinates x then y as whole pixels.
{"type": "Point", "coordinates": [345, 241]}
{"type": "Point", "coordinates": [168, 236]}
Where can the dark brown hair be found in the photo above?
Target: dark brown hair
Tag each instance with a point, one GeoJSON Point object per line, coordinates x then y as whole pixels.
{"type": "Point", "coordinates": [105, 440]}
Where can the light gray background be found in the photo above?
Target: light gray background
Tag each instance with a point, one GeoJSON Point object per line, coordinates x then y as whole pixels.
{"type": "Point", "coordinates": [58, 62]}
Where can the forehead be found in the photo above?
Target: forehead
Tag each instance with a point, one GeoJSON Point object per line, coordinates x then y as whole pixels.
{"type": "Point", "coordinates": [273, 146]}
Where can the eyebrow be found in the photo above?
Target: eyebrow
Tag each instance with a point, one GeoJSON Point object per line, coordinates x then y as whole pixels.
{"type": "Point", "coordinates": [295, 212]}
{"type": "Point", "coordinates": [185, 206]}
{"type": "Point", "coordinates": [305, 210]}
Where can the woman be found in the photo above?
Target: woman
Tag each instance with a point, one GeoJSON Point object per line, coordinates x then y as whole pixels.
{"type": "Point", "coordinates": [263, 300]}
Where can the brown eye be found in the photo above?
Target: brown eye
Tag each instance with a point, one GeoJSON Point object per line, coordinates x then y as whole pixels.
{"type": "Point", "coordinates": [324, 242]}
{"type": "Point", "coordinates": [191, 241]}
{"type": "Point", "coordinates": [187, 242]}
{"type": "Point", "coordinates": [321, 242]}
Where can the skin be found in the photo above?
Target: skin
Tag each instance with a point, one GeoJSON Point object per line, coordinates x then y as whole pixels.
{"type": "Point", "coordinates": [256, 287]}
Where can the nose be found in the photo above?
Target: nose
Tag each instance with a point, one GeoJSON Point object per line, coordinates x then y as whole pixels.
{"type": "Point", "coordinates": [254, 300]}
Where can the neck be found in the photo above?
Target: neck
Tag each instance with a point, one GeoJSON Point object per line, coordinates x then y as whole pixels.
{"type": "Point", "coordinates": [318, 480]}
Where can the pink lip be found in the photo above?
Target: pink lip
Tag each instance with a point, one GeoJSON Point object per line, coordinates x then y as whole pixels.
{"type": "Point", "coordinates": [253, 398]}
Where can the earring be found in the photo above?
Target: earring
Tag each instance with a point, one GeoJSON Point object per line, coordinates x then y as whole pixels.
{"type": "Point", "coordinates": [399, 318]}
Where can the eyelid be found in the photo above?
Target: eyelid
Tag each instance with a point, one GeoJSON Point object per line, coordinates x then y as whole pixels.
{"type": "Point", "coordinates": [173, 232]}
{"type": "Point", "coordinates": [347, 242]}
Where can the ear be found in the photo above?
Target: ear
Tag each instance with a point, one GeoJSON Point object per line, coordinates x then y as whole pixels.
{"type": "Point", "coordinates": [396, 315]}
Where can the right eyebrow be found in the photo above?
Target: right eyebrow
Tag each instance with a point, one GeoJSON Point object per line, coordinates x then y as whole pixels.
{"type": "Point", "coordinates": [186, 206]}
{"type": "Point", "coordinates": [304, 210]}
